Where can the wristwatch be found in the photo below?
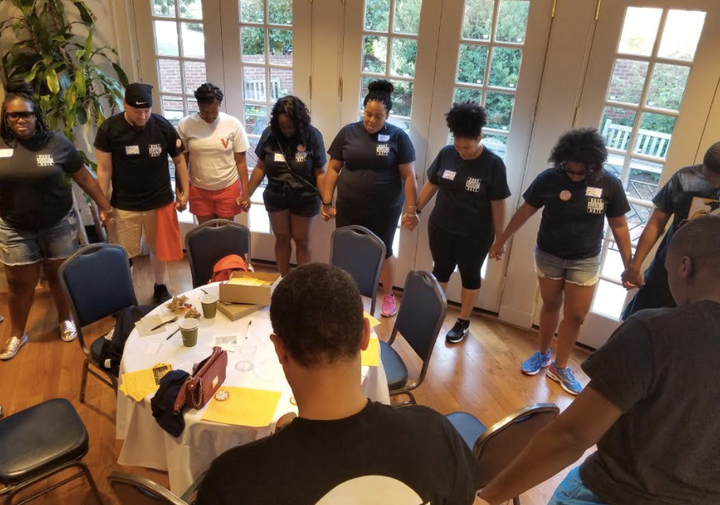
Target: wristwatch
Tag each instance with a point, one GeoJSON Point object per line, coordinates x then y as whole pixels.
{"type": "Point", "coordinates": [327, 204]}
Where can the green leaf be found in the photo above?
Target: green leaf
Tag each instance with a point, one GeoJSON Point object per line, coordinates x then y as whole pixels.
{"type": "Point", "coordinates": [84, 13]}
{"type": "Point", "coordinates": [121, 74]}
{"type": "Point", "coordinates": [88, 44]}
{"type": "Point", "coordinates": [80, 82]}
{"type": "Point", "coordinates": [52, 81]}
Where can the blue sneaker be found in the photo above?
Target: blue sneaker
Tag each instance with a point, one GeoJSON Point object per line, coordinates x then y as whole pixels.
{"type": "Point", "coordinates": [534, 363]}
{"type": "Point", "coordinates": [566, 378]}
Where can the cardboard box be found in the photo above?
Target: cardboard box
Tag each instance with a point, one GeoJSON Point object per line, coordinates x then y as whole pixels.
{"type": "Point", "coordinates": [257, 295]}
{"type": "Point", "coordinates": [235, 311]}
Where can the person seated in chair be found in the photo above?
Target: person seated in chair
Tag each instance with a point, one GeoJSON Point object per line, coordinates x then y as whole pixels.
{"type": "Point", "coordinates": [652, 404]}
{"type": "Point", "coordinates": [342, 447]}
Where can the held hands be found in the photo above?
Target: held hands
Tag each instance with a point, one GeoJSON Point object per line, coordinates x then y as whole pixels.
{"type": "Point", "coordinates": [631, 278]}
{"type": "Point", "coordinates": [106, 217]}
{"type": "Point", "coordinates": [328, 212]}
{"type": "Point", "coordinates": [497, 250]}
{"type": "Point", "coordinates": [181, 202]}
{"type": "Point", "coordinates": [243, 202]}
{"type": "Point", "coordinates": [410, 221]}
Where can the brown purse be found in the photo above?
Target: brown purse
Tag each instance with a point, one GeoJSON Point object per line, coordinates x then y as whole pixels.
{"type": "Point", "coordinates": [207, 377]}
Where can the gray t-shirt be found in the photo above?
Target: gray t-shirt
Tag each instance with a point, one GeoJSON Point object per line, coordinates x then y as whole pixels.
{"type": "Point", "coordinates": [662, 369]}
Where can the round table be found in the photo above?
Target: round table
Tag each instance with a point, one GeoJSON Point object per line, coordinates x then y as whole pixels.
{"type": "Point", "coordinates": [189, 455]}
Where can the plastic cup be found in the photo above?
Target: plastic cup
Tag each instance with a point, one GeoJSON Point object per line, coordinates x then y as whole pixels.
{"type": "Point", "coordinates": [189, 331]}
{"type": "Point", "coordinates": [209, 304]}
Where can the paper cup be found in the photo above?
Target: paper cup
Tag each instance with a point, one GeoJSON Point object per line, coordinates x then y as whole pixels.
{"type": "Point", "coordinates": [189, 331]}
{"type": "Point", "coordinates": [209, 304]}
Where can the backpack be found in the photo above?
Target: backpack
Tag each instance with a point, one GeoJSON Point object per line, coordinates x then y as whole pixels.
{"type": "Point", "coordinates": [114, 343]}
{"type": "Point", "coordinates": [223, 269]}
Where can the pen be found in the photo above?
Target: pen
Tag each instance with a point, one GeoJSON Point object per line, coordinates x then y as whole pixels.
{"type": "Point", "coordinates": [247, 332]}
{"type": "Point", "coordinates": [173, 333]}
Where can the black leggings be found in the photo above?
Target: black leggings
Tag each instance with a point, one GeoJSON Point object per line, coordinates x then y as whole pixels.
{"type": "Point", "coordinates": [467, 252]}
{"type": "Point", "coordinates": [383, 224]}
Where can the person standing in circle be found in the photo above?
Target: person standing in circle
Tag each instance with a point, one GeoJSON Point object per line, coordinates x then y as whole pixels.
{"type": "Point", "coordinates": [377, 160]}
{"type": "Point", "coordinates": [291, 153]}
{"type": "Point", "coordinates": [216, 143]}
{"type": "Point", "coordinates": [578, 194]}
{"type": "Point", "coordinates": [38, 224]}
{"type": "Point", "coordinates": [471, 184]}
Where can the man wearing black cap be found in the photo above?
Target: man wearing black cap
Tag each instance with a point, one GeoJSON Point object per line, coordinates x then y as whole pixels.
{"type": "Point", "coordinates": [132, 152]}
{"type": "Point", "coordinates": [691, 192]}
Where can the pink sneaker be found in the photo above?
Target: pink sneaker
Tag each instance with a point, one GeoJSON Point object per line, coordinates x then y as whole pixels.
{"type": "Point", "coordinates": [389, 307]}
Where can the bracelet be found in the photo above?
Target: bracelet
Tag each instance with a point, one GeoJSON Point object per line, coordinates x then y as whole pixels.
{"type": "Point", "coordinates": [326, 204]}
{"type": "Point", "coordinates": [411, 215]}
{"type": "Point", "coordinates": [107, 211]}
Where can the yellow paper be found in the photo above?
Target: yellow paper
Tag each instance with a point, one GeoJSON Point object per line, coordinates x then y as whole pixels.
{"type": "Point", "coordinates": [246, 281]}
{"type": "Point", "coordinates": [137, 385]}
{"type": "Point", "coordinates": [244, 407]}
{"type": "Point", "coordinates": [373, 322]}
{"type": "Point", "coordinates": [371, 355]}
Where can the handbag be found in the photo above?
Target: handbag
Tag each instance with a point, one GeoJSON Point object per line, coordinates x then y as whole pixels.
{"type": "Point", "coordinates": [207, 377]}
{"type": "Point", "coordinates": [295, 174]}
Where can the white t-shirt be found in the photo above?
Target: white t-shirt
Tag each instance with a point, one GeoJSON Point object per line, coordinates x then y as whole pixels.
{"type": "Point", "coordinates": [212, 149]}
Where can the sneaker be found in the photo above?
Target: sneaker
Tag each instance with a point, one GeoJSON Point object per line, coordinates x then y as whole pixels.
{"type": "Point", "coordinates": [458, 332]}
{"type": "Point", "coordinates": [12, 347]}
{"type": "Point", "coordinates": [389, 307]}
{"type": "Point", "coordinates": [67, 331]}
{"type": "Point", "coordinates": [566, 378]}
{"type": "Point", "coordinates": [534, 363]}
{"type": "Point", "coordinates": [161, 294]}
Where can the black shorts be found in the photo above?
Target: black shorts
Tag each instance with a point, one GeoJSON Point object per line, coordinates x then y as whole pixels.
{"type": "Point", "coordinates": [467, 252]}
{"type": "Point", "coordinates": [304, 203]}
{"type": "Point", "coordinates": [383, 224]}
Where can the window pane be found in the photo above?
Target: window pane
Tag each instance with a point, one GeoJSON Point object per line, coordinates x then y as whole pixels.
{"type": "Point", "coordinates": [172, 109]}
{"type": "Point", "coordinates": [253, 44]}
{"type": "Point", "coordinates": [169, 73]}
{"type": "Point", "coordinates": [195, 75]}
{"type": "Point", "coordinates": [496, 143]}
{"type": "Point", "coordinates": [166, 38]}
{"type": "Point", "coordinates": [377, 15]}
{"type": "Point", "coordinates": [614, 164]}
{"type": "Point", "coordinates": [643, 179]}
{"type": "Point", "coordinates": [471, 66]}
{"type": "Point", "coordinates": [255, 119]}
{"type": "Point", "coordinates": [193, 40]}
{"type": "Point", "coordinates": [191, 9]}
{"type": "Point", "coordinates": [403, 124]}
{"type": "Point", "coordinates": [628, 79]}
{"type": "Point", "coordinates": [681, 34]}
{"type": "Point", "coordinates": [499, 110]}
{"type": "Point", "coordinates": [192, 106]}
{"type": "Point", "coordinates": [251, 158]}
{"type": "Point", "coordinates": [374, 54]}
{"type": "Point", "coordinates": [281, 83]}
{"type": "Point", "coordinates": [252, 11]}
{"type": "Point", "coordinates": [655, 134]}
{"type": "Point", "coordinates": [280, 12]}
{"type": "Point", "coordinates": [478, 19]}
{"type": "Point", "coordinates": [401, 96]}
{"type": "Point", "coordinates": [407, 16]}
{"type": "Point", "coordinates": [613, 266]}
{"type": "Point", "coordinates": [637, 217]}
{"type": "Point", "coordinates": [164, 8]}
{"type": "Point", "coordinates": [617, 127]}
{"type": "Point", "coordinates": [639, 30]}
{"type": "Point", "coordinates": [609, 299]}
{"type": "Point", "coordinates": [505, 67]}
{"type": "Point", "coordinates": [404, 54]}
{"type": "Point", "coordinates": [465, 94]}
{"type": "Point", "coordinates": [667, 86]}
{"type": "Point", "coordinates": [281, 47]}
{"type": "Point", "coordinates": [512, 21]}
{"type": "Point", "coordinates": [258, 218]}
{"type": "Point", "coordinates": [254, 83]}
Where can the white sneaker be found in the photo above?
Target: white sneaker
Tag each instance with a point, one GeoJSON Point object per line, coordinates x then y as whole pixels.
{"type": "Point", "coordinates": [12, 347]}
{"type": "Point", "coordinates": [68, 331]}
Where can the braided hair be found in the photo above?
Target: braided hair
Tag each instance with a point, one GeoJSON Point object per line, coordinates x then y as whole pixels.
{"type": "Point", "coordinates": [380, 91]}
{"type": "Point", "coordinates": [18, 88]}
{"type": "Point", "coordinates": [208, 93]}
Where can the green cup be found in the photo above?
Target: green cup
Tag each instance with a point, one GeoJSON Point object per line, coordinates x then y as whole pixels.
{"type": "Point", "coordinates": [209, 305]}
{"type": "Point", "coordinates": [189, 331]}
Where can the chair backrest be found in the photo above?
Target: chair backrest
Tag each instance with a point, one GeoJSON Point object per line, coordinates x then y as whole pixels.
{"type": "Point", "coordinates": [421, 315]}
{"type": "Point", "coordinates": [133, 490]}
{"type": "Point", "coordinates": [501, 443]}
{"type": "Point", "coordinates": [97, 283]}
{"type": "Point", "coordinates": [210, 242]}
{"type": "Point", "coordinates": [360, 253]}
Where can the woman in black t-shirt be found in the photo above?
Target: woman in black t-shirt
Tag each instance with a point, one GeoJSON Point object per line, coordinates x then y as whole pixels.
{"type": "Point", "coordinates": [471, 184]}
{"type": "Point", "coordinates": [378, 174]}
{"type": "Point", "coordinates": [578, 194]}
{"type": "Point", "coordinates": [38, 225]}
{"type": "Point", "coordinates": [291, 153]}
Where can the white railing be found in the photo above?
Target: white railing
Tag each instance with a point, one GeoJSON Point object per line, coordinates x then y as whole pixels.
{"type": "Point", "coordinates": [649, 143]}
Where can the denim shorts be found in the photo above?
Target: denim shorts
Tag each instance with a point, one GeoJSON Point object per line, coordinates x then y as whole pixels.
{"type": "Point", "coordinates": [56, 242]}
{"type": "Point", "coordinates": [572, 491]}
{"type": "Point", "coordinates": [583, 272]}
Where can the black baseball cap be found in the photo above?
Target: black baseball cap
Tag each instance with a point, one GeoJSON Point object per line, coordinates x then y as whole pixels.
{"type": "Point", "coordinates": [712, 158]}
{"type": "Point", "coordinates": [139, 95]}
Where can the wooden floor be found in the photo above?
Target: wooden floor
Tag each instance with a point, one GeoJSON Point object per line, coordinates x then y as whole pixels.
{"type": "Point", "coordinates": [480, 375]}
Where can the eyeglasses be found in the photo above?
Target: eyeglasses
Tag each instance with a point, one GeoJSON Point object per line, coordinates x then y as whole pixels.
{"type": "Point", "coordinates": [564, 167]}
{"type": "Point", "coordinates": [15, 116]}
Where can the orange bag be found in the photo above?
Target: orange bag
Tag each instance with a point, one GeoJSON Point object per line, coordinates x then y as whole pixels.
{"type": "Point", "coordinates": [223, 269]}
{"type": "Point", "coordinates": [168, 246]}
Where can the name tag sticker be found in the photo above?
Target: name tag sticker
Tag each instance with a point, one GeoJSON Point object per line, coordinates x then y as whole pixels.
{"type": "Point", "coordinates": [383, 138]}
{"type": "Point", "coordinates": [130, 150]}
{"type": "Point", "coordinates": [279, 158]}
{"type": "Point", "coordinates": [449, 175]}
{"type": "Point", "coordinates": [593, 192]}
{"type": "Point", "coordinates": [6, 153]}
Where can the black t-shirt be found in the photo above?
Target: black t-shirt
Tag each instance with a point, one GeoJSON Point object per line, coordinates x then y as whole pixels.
{"type": "Point", "coordinates": [661, 369]}
{"type": "Point", "coordinates": [573, 219]}
{"type": "Point", "coordinates": [466, 188]}
{"type": "Point", "coordinates": [33, 192]}
{"type": "Point", "coordinates": [414, 455]}
{"type": "Point", "coordinates": [371, 174]}
{"type": "Point", "coordinates": [140, 169]}
{"type": "Point", "coordinates": [303, 156]}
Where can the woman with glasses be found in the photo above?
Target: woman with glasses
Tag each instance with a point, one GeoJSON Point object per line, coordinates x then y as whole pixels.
{"type": "Point", "coordinates": [38, 225]}
{"type": "Point", "coordinates": [577, 194]}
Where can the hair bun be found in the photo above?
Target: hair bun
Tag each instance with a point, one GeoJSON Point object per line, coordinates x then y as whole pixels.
{"type": "Point", "coordinates": [381, 85]}
{"type": "Point", "coordinates": [19, 86]}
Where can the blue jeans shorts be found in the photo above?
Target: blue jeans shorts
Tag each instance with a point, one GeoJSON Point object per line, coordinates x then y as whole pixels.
{"type": "Point", "coordinates": [572, 491]}
{"type": "Point", "coordinates": [583, 272]}
{"type": "Point", "coordinates": [56, 242]}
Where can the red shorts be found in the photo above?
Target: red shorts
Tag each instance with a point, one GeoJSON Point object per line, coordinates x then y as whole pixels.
{"type": "Point", "coordinates": [220, 202]}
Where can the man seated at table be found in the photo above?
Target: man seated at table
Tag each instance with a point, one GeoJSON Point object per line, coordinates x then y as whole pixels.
{"type": "Point", "coordinates": [653, 403]}
{"type": "Point", "coordinates": [342, 448]}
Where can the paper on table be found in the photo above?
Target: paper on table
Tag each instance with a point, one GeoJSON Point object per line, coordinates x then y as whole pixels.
{"type": "Point", "coordinates": [244, 407]}
{"type": "Point", "coordinates": [247, 281]}
{"type": "Point", "coordinates": [146, 324]}
{"type": "Point", "coordinates": [371, 355]}
{"type": "Point", "coordinates": [152, 348]}
{"type": "Point", "coordinates": [141, 383]}
{"type": "Point", "coordinates": [225, 342]}
{"type": "Point", "coordinates": [373, 322]}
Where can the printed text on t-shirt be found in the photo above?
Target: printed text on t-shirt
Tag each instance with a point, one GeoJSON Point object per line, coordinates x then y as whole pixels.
{"type": "Point", "coordinates": [383, 150]}
{"type": "Point", "coordinates": [472, 184]}
{"type": "Point", "coordinates": [596, 206]}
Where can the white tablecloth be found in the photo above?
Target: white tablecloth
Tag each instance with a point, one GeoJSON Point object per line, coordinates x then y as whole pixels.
{"type": "Point", "coordinates": [186, 457]}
